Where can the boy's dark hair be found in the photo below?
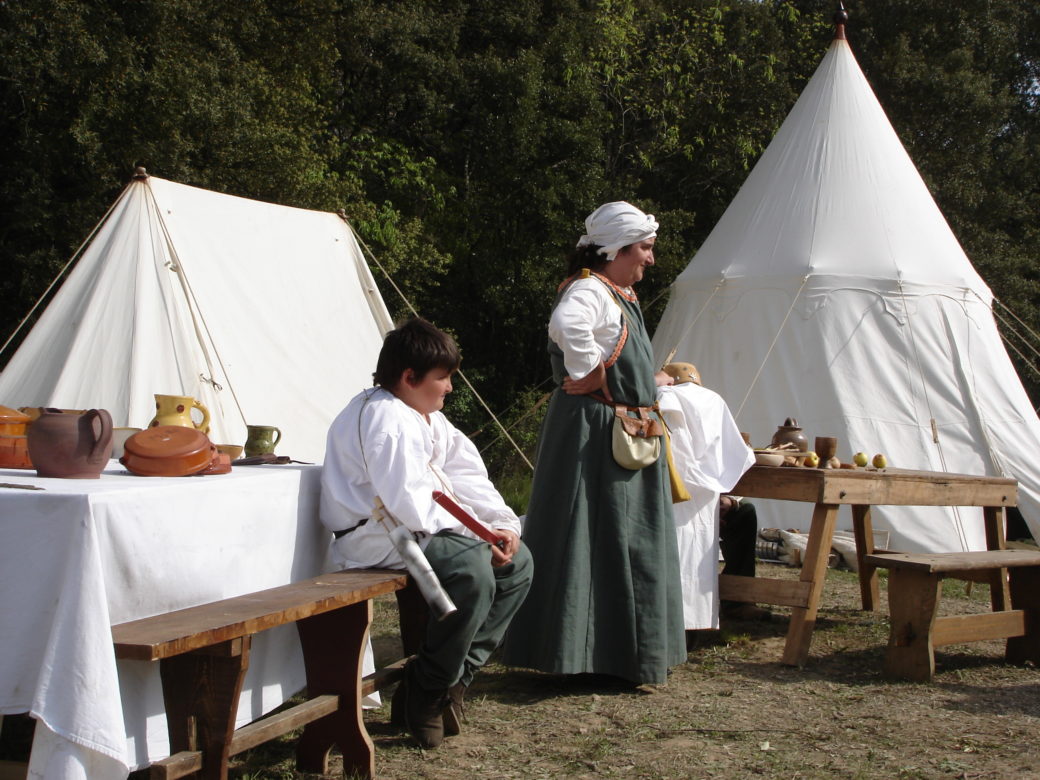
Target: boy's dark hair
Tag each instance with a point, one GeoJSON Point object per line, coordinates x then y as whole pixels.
{"type": "Point", "coordinates": [417, 345]}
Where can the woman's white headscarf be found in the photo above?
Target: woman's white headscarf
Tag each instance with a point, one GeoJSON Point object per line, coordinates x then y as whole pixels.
{"type": "Point", "coordinates": [616, 225]}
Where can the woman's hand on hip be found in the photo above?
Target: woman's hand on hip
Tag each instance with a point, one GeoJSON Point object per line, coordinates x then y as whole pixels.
{"type": "Point", "coordinates": [594, 381]}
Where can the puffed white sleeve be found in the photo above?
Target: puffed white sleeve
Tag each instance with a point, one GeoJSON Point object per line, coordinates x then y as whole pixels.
{"type": "Point", "coordinates": [469, 479]}
{"type": "Point", "coordinates": [397, 467]}
{"type": "Point", "coordinates": [572, 327]}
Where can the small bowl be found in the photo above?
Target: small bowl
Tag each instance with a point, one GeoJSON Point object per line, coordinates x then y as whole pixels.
{"type": "Point", "coordinates": [769, 458]}
{"type": "Point", "coordinates": [233, 451]}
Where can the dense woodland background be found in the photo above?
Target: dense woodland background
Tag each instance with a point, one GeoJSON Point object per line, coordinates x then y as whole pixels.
{"type": "Point", "coordinates": [467, 139]}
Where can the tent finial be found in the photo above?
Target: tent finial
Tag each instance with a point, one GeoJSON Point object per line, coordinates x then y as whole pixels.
{"type": "Point", "coordinates": [140, 172]}
{"type": "Point", "coordinates": [840, 17]}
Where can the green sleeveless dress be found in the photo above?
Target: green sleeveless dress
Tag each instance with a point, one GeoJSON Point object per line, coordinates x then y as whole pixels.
{"type": "Point", "coordinates": [606, 596]}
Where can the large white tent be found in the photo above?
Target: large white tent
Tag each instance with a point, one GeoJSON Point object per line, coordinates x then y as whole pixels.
{"type": "Point", "coordinates": [833, 291]}
{"type": "Point", "coordinates": [266, 314]}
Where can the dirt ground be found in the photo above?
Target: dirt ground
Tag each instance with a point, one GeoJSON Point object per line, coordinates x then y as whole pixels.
{"type": "Point", "coordinates": [732, 710]}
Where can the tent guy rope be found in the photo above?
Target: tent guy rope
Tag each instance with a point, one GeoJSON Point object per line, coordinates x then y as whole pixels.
{"type": "Point", "coordinates": [371, 255]}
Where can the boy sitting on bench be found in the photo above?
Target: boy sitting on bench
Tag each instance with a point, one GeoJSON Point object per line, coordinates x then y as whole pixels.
{"type": "Point", "coordinates": [393, 443]}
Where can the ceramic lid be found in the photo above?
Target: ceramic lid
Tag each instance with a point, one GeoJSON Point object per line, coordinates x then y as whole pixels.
{"type": "Point", "coordinates": [168, 451]}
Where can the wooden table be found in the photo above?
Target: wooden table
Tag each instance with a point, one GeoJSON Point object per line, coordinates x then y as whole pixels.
{"type": "Point", "coordinates": [828, 489]}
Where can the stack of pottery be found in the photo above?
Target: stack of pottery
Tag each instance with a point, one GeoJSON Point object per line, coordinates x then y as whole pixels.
{"type": "Point", "coordinates": [70, 445]}
{"type": "Point", "coordinates": [173, 444]}
{"type": "Point", "coordinates": [14, 448]}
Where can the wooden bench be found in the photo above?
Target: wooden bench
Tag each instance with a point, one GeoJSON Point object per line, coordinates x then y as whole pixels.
{"type": "Point", "coordinates": [914, 593]}
{"type": "Point", "coordinates": [203, 653]}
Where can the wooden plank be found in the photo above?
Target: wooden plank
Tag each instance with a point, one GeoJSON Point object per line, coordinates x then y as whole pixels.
{"type": "Point", "coordinates": [955, 629]}
{"type": "Point", "coordinates": [380, 678]}
{"type": "Point", "coordinates": [763, 590]}
{"type": "Point", "coordinates": [179, 764]}
{"type": "Point", "coordinates": [876, 487]}
{"type": "Point", "coordinates": [260, 731]}
{"type": "Point", "coordinates": [953, 562]}
{"type": "Point", "coordinates": [173, 633]}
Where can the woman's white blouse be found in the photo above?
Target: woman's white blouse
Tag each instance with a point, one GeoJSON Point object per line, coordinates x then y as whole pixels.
{"type": "Point", "coordinates": [586, 325]}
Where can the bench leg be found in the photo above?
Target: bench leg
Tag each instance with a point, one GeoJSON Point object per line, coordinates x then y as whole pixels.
{"type": "Point", "coordinates": [413, 613]}
{"type": "Point", "coordinates": [201, 691]}
{"type": "Point", "coordinates": [913, 599]}
{"type": "Point", "coordinates": [1025, 594]}
{"type": "Point", "coordinates": [333, 649]}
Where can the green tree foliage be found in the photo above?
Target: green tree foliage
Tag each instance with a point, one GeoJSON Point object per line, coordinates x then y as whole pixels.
{"type": "Point", "coordinates": [467, 139]}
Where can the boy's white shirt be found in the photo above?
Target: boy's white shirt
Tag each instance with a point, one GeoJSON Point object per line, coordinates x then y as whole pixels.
{"type": "Point", "coordinates": [380, 446]}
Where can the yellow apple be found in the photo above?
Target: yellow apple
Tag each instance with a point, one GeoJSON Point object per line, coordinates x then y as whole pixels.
{"type": "Point", "coordinates": [812, 460]}
{"type": "Point", "coordinates": [880, 461]}
{"type": "Point", "coordinates": [860, 459]}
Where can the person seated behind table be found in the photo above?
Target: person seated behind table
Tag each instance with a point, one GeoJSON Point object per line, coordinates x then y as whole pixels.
{"type": "Point", "coordinates": [393, 442]}
{"type": "Point", "coordinates": [710, 456]}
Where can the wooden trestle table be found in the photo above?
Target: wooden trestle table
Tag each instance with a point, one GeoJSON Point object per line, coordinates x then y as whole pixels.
{"type": "Point", "coordinates": [861, 488]}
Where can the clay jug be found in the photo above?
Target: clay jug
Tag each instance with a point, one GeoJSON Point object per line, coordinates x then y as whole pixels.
{"type": "Point", "coordinates": [176, 410]}
{"type": "Point", "coordinates": [261, 439]}
{"type": "Point", "coordinates": [790, 433]}
{"type": "Point", "coordinates": [72, 446]}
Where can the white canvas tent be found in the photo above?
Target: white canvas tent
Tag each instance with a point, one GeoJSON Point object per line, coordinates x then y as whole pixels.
{"type": "Point", "coordinates": [266, 314]}
{"type": "Point", "coordinates": [832, 290]}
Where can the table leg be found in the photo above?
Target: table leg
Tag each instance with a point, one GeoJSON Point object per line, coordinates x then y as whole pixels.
{"type": "Point", "coordinates": [999, 594]}
{"type": "Point", "coordinates": [863, 530]}
{"type": "Point", "coordinates": [333, 650]}
{"type": "Point", "coordinates": [814, 572]}
{"type": "Point", "coordinates": [201, 691]}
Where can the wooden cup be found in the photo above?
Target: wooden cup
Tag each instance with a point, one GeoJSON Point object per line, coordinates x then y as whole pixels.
{"type": "Point", "coordinates": [826, 448]}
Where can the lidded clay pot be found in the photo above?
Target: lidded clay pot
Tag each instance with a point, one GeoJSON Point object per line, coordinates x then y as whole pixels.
{"type": "Point", "coordinates": [70, 446]}
{"type": "Point", "coordinates": [790, 433]}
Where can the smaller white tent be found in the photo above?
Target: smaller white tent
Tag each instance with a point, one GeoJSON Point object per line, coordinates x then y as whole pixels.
{"type": "Point", "coordinates": [832, 290]}
{"type": "Point", "coordinates": [266, 314]}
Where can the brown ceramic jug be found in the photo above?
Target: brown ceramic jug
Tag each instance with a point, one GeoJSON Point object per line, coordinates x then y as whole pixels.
{"type": "Point", "coordinates": [790, 433]}
{"type": "Point", "coordinates": [71, 446]}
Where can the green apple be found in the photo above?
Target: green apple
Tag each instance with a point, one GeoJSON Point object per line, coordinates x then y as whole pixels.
{"type": "Point", "coordinates": [880, 461]}
{"type": "Point", "coordinates": [860, 459]}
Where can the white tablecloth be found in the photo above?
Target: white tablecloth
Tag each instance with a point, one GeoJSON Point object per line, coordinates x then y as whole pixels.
{"type": "Point", "coordinates": [82, 555]}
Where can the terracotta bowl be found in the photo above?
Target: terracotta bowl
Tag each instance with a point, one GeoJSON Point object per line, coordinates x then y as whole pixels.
{"type": "Point", "coordinates": [14, 452]}
{"type": "Point", "coordinates": [168, 451]}
{"type": "Point", "coordinates": [221, 465]}
{"type": "Point", "coordinates": [233, 451]}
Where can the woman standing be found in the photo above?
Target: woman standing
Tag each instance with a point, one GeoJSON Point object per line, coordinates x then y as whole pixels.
{"type": "Point", "coordinates": [607, 598]}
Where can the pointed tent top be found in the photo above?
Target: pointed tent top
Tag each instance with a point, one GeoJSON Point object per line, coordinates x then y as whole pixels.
{"type": "Point", "coordinates": [835, 196]}
{"type": "Point", "coordinates": [841, 16]}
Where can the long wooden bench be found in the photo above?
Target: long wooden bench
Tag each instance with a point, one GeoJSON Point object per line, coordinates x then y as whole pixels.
{"type": "Point", "coordinates": [915, 591]}
{"type": "Point", "coordinates": [203, 653]}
